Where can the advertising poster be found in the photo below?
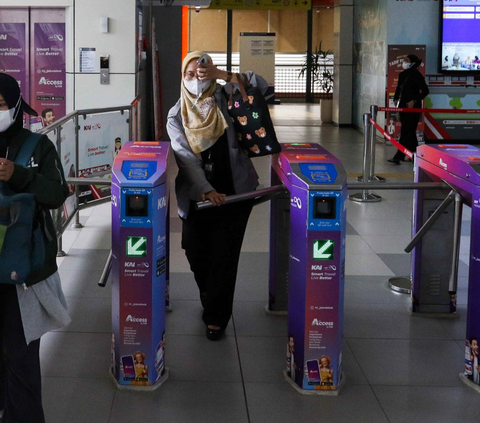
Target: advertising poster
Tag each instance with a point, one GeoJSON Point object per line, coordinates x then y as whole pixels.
{"type": "Point", "coordinates": [13, 53]}
{"type": "Point", "coordinates": [49, 84]}
{"type": "Point", "coordinates": [396, 54]}
{"type": "Point", "coordinates": [100, 139]}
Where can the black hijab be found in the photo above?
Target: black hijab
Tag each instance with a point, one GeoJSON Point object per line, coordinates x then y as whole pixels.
{"type": "Point", "coordinates": [11, 93]}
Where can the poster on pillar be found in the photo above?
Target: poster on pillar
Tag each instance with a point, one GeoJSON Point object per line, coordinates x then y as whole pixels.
{"type": "Point", "coordinates": [13, 53]}
{"type": "Point", "coordinates": [396, 54]}
{"type": "Point", "coordinates": [49, 85]}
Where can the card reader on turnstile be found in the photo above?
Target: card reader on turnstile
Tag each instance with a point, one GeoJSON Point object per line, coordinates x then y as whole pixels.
{"type": "Point", "coordinates": [140, 226]}
{"type": "Point", "coordinates": [307, 263]}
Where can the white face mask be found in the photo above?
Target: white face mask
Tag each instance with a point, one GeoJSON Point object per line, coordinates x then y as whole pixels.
{"type": "Point", "coordinates": [7, 117]}
{"type": "Point", "coordinates": [406, 65]}
{"type": "Point", "coordinates": [196, 87]}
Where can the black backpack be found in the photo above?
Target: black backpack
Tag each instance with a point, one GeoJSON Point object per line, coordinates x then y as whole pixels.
{"type": "Point", "coordinates": [22, 248]}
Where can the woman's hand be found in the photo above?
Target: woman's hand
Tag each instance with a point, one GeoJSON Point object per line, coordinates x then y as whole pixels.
{"type": "Point", "coordinates": [410, 104]}
{"type": "Point", "coordinates": [6, 169]}
{"type": "Point", "coordinates": [209, 71]}
{"type": "Point", "coordinates": [214, 197]}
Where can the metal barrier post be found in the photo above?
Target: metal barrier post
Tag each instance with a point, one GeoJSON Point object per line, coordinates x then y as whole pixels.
{"type": "Point", "coordinates": [77, 224]}
{"type": "Point", "coordinates": [366, 196]}
{"type": "Point", "coordinates": [60, 252]}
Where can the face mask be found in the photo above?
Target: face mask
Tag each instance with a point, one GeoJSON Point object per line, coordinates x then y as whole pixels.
{"type": "Point", "coordinates": [7, 117]}
{"type": "Point", "coordinates": [406, 65]}
{"type": "Point", "coordinates": [196, 87]}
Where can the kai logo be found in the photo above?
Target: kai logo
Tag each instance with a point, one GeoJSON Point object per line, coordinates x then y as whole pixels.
{"type": "Point", "coordinates": [3, 36]}
{"type": "Point", "coordinates": [317, 322]}
{"type": "Point", "coordinates": [114, 200]}
{"type": "Point", "coordinates": [317, 267]}
{"type": "Point", "coordinates": [129, 264]}
{"type": "Point", "coordinates": [162, 202]}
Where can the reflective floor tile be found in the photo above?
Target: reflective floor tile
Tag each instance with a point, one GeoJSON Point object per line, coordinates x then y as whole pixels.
{"type": "Point", "coordinates": [263, 359]}
{"type": "Point", "coordinates": [389, 321]}
{"type": "Point", "coordinates": [428, 404]}
{"type": "Point", "coordinates": [379, 226]}
{"type": "Point", "coordinates": [251, 319]}
{"type": "Point", "coordinates": [355, 244]}
{"type": "Point", "coordinates": [399, 264]}
{"type": "Point", "coordinates": [409, 362]}
{"type": "Point", "coordinates": [183, 287]}
{"type": "Point", "coordinates": [195, 358]}
{"type": "Point", "coordinates": [371, 290]}
{"type": "Point", "coordinates": [366, 264]}
{"type": "Point", "coordinates": [456, 327]}
{"type": "Point", "coordinates": [186, 319]}
{"type": "Point", "coordinates": [280, 403]}
{"type": "Point", "coordinates": [77, 400]}
{"type": "Point", "coordinates": [76, 355]}
{"type": "Point", "coordinates": [84, 284]}
{"type": "Point", "coordinates": [182, 402]}
{"type": "Point", "coordinates": [93, 239]}
{"type": "Point", "coordinates": [85, 261]}
{"type": "Point", "coordinates": [93, 315]}
{"type": "Point", "coordinates": [252, 287]}
{"type": "Point", "coordinates": [386, 244]}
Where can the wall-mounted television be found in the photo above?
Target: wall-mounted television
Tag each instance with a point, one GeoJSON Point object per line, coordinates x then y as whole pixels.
{"type": "Point", "coordinates": [459, 36]}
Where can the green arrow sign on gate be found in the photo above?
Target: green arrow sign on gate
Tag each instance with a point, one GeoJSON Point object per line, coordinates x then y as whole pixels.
{"type": "Point", "coordinates": [136, 246]}
{"type": "Point", "coordinates": [323, 249]}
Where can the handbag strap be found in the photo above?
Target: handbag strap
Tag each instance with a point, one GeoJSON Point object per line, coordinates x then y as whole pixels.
{"type": "Point", "coordinates": [241, 86]}
{"type": "Point", "coordinates": [27, 149]}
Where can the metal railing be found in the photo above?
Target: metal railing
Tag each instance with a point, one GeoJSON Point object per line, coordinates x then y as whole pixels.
{"type": "Point", "coordinates": [87, 142]}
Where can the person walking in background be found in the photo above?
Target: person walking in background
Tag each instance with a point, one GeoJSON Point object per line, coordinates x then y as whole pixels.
{"type": "Point", "coordinates": [211, 165]}
{"type": "Point", "coordinates": [410, 92]}
{"type": "Point", "coordinates": [38, 306]}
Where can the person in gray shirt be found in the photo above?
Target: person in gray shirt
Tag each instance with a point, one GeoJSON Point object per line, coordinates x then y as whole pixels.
{"type": "Point", "coordinates": [211, 166]}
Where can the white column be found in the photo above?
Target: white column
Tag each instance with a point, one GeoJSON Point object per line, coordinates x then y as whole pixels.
{"type": "Point", "coordinates": [342, 88]}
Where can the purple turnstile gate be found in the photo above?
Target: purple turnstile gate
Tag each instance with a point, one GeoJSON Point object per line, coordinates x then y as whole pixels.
{"type": "Point", "coordinates": [140, 200]}
{"type": "Point", "coordinates": [307, 263]}
{"type": "Point", "coordinates": [459, 167]}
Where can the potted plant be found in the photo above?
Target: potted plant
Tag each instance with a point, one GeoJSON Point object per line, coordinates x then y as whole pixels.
{"type": "Point", "coordinates": [322, 74]}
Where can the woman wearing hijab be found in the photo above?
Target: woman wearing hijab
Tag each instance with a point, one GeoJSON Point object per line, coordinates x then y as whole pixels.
{"type": "Point", "coordinates": [211, 166]}
{"type": "Point", "coordinates": [410, 92]}
{"type": "Point", "coordinates": [30, 310]}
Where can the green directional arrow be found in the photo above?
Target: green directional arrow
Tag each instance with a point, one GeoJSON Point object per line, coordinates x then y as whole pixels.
{"type": "Point", "coordinates": [323, 249]}
{"type": "Point", "coordinates": [136, 246]}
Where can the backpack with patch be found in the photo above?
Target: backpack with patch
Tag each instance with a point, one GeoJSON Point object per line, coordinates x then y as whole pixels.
{"type": "Point", "coordinates": [22, 248]}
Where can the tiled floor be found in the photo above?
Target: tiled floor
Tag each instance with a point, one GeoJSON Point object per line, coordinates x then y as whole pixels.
{"type": "Point", "coordinates": [398, 368]}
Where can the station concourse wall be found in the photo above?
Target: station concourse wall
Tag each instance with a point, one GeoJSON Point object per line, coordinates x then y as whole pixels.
{"type": "Point", "coordinates": [377, 24]}
{"type": "Point", "coordinates": [83, 30]}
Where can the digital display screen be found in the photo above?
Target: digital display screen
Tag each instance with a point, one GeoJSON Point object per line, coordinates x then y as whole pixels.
{"type": "Point", "coordinates": [460, 36]}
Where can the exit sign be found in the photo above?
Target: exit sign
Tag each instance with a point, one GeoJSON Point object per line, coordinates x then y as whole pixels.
{"type": "Point", "coordinates": [136, 246]}
{"type": "Point", "coordinates": [323, 249]}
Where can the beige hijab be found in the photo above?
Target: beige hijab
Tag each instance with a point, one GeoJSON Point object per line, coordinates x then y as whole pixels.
{"type": "Point", "coordinates": [203, 122]}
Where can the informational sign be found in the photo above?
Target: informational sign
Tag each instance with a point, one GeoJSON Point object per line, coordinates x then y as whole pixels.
{"type": "Point", "coordinates": [323, 249]}
{"type": "Point", "coordinates": [49, 79]}
{"type": "Point", "coordinates": [262, 4]}
{"type": "Point", "coordinates": [257, 53]}
{"type": "Point", "coordinates": [396, 55]}
{"type": "Point", "coordinates": [136, 246]}
{"type": "Point", "coordinates": [13, 54]}
{"type": "Point", "coordinates": [87, 60]}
